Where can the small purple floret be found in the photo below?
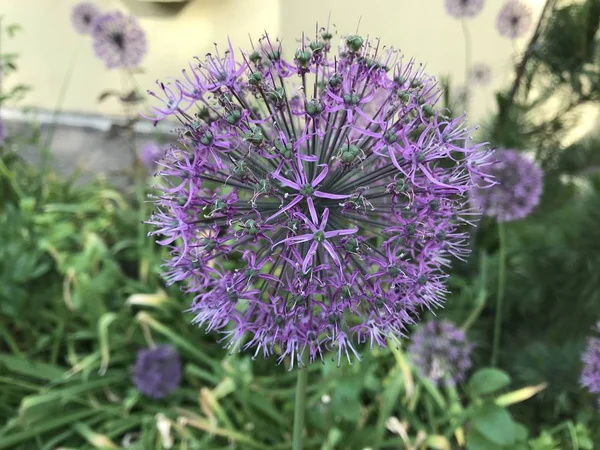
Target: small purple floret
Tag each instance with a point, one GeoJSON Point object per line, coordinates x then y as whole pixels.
{"type": "Point", "coordinates": [150, 154]}
{"type": "Point", "coordinates": [119, 40]}
{"type": "Point", "coordinates": [441, 352]}
{"type": "Point", "coordinates": [590, 375]}
{"type": "Point", "coordinates": [517, 190]}
{"type": "Point", "coordinates": [157, 371]}
{"type": "Point", "coordinates": [331, 179]}
{"type": "Point", "coordinates": [83, 17]}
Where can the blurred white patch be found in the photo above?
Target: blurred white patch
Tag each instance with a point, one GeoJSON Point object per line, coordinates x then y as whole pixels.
{"type": "Point", "coordinates": [163, 425]}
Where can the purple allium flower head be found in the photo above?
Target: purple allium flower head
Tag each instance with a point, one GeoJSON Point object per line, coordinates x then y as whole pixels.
{"type": "Point", "coordinates": [83, 17]}
{"type": "Point", "coordinates": [119, 40]}
{"type": "Point", "coordinates": [517, 190]}
{"type": "Point", "coordinates": [157, 371]}
{"type": "Point", "coordinates": [151, 152]}
{"type": "Point", "coordinates": [464, 8]}
{"type": "Point", "coordinates": [590, 375]}
{"type": "Point", "coordinates": [514, 19]}
{"type": "Point", "coordinates": [2, 131]}
{"type": "Point", "coordinates": [334, 179]}
{"type": "Point", "coordinates": [480, 74]}
{"type": "Point", "coordinates": [440, 351]}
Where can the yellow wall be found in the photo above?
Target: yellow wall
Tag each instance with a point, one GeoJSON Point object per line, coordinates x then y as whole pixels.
{"type": "Point", "coordinates": [420, 28]}
{"type": "Point", "coordinates": [48, 44]}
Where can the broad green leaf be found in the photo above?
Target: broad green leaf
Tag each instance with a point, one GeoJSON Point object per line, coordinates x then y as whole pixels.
{"type": "Point", "coordinates": [488, 380]}
{"type": "Point", "coordinates": [495, 424]}
{"type": "Point", "coordinates": [31, 368]}
{"type": "Point", "coordinates": [476, 441]}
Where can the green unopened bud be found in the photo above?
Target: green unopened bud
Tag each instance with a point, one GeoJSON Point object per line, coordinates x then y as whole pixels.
{"type": "Point", "coordinates": [314, 107]}
{"type": "Point", "coordinates": [274, 55]}
{"type": "Point", "coordinates": [284, 150]}
{"type": "Point", "coordinates": [416, 83]}
{"type": "Point", "coordinates": [276, 95]}
{"type": "Point", "coordinates": [354, 43]}
{"type": "Point", "coordinates": [206, 138]}
{"type": "Point", "coordinates": [254, 136]}
{"type": "Point", "coordinates": [255, 57]}
{"type": "Point", "coordinates": [390, 136]}
{"type": "Point", "coordinates": [403, 96]}
{"type": "Point", "coordinates": [348, 153]}
{"type": "Point", "coordinates": [351, 99]}
{"type": "Point", "coordinates": [255, 78]}
{"type": "Point", "coordinates": [428, 111]}
{"type": "Point", "coordinates": [316, 46]}
{"type": "Point", "coordinates": [335, 81]}
{"type": "Point", "coordinates": [234, 117]}
{"type": "Point", "coordinates": [303, 57]}
{"type": "Point", "coordinates": [326, 36]}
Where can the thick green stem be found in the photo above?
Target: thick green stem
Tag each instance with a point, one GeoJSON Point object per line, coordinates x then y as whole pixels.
{"type": "Point", "coordinates": [500, 296]}
{"type": "Point", "coordinates": [300, 407]}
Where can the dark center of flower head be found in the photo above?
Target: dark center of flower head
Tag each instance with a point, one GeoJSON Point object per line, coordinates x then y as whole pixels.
{"type": "Point", "coordinates": [514, 20]}
{"type": "Point", "coordinates": [87, 19]}
{"type": "Point", "coordinates": [319, 236]}
{"type": "Point", "coordinates": [118, 39]}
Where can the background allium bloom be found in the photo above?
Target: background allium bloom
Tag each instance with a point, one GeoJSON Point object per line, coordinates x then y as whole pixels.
{"type": "Point", "coordinates": [157, 371]}
{"type": "Point", "coordinates": [328, 178]}
{"type": "Point", "coordinates": [517, 190]}
{"type": "Point", "coordinates": [514, 19]}
{"type": "Point", "coordinates": [83, 17]}
{"type": "Point", "coordinates": [2, 132]}
{"type": "Point", "coordinates": [480, 74]}
{"type": "Point", "coordinates": [440, 351]}
{"type": "Point", "coordinates": [149, 155]}
{"type": "Point", "coordinates": [119, 40]}
{"type": "Point", "coordinates": [464, 8]}
{"type": "Point", "coordinates": [590, 376]}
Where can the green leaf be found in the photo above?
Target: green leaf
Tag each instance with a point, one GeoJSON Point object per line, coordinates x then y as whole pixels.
{"type": "Point", "coordinates": [495, 424]}
{"type": "Point", "coordinates": [488, 380]}
{"type": "Point", "coordinates": [476, 441]}
{"type": "Point", "coordinates": [31, 368]}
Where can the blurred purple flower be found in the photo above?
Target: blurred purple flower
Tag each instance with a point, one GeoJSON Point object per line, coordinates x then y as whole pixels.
{"type": "Point", "coordinates": [157, 371]}
{"type": "Point", "coordinates": [119, 40]}
{"type": "Point", "coordinates": [338, 195]}
{"type": "Point", "coordinates": [83, 17]}
{"type": "Point", "coordinates": [590, 375]}
{"type": "Point", "coordinates": [2, 132]}
{"type": "Point", "coordinates": [517, 190]}
{"type": "Point", "coordinates": [441, 352]}
{"type": "Point", "coordinates": [514, 19]}
{"type": "Point", "coordinates": [464, 8]}
{"type": "Point", "coordinates": [150, 154]}
{"type": "Point", "coordinates": [480, 74]}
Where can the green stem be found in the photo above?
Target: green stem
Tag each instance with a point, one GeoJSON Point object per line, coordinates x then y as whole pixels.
{"type": "Point", "coordinates": [300, 407]}
{"type": "Point", "coordinates": [481, 296]}
{"type": "Point", "coordinates": [500, 297]}
{"type": "Point", "coordinates": [467, 36]}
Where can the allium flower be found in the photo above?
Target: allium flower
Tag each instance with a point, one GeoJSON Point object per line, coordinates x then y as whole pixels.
{"type": "Point", "coordinates": [590, 375]}
{"type": "Point", "coordinates": [151, 152]}
{"type": "Point", "coordinates": [514, 19]}
{"type": "Point", "coordinates": [119, 40]}
{"type": "Point", "coordinates": [464, 8]}
{"type": "Point", "coordinates": [332, 180]}
{"type": "Point", "coordinates": [2, 132]}
{"type": "Point", "coordinates": [83, 17]}
{"type": "Point", "coordinates": [441, 352]}
{"type": "Point", "coordinates": [480, 74]}
{"type": "Point", "coordinates": [157, 371]}
{"type": "Point", "coordinates": [517, 190]}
